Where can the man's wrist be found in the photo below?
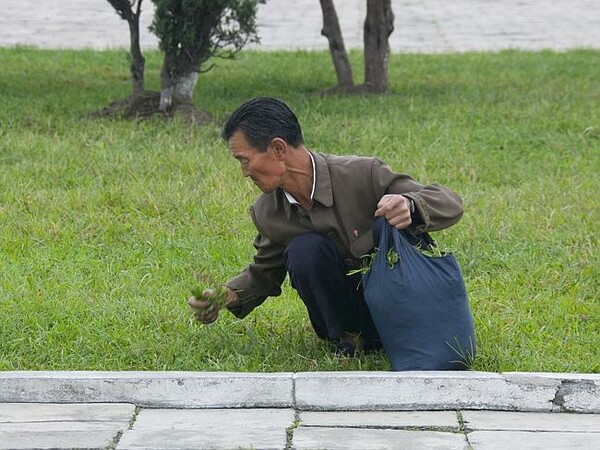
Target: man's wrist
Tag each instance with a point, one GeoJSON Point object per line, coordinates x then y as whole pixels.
{"type": "Point", "coordinates": [233, 299]}
{"type": "Point", "coordinates": [411, 205]}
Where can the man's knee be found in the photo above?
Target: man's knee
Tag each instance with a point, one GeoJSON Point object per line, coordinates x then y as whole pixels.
{"type": "Point", "coordinates": [309, 250]}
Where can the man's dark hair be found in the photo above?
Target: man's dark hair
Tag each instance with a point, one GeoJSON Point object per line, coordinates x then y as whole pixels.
{"type": "Point", "coordinates": [262, 119]}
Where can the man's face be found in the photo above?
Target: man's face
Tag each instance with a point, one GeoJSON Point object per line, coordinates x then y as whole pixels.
{"type": "Point", "coordinates": [265, 169]}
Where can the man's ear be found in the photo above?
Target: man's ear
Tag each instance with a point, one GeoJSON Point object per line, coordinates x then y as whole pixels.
{"type": "Point", "coordinates": [279, 147]}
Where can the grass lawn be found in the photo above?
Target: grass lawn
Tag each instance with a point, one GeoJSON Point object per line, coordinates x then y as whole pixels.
{"type": "Point", "coordinates": [104, 224]}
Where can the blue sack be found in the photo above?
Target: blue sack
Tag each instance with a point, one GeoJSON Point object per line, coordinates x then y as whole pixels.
{"type": "Point", "coordinates": [418, 303]}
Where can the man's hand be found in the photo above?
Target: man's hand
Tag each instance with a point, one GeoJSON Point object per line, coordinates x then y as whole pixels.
{"type": "Point", "coordinates": [396, 209]}
{"type": "Point", "coordinates": [206, 310]}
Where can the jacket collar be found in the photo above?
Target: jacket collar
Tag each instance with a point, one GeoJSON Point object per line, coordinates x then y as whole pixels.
{"type": "Point", "coordinates": [323, 193]}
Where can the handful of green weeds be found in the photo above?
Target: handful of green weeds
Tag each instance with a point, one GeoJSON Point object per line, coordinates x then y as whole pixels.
{"type": "Point", "coordinates": [217, 297]}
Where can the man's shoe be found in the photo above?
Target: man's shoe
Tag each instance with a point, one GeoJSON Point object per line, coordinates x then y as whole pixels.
{"type": "Point", "coordinates": [345, 348]}
{"type": "Point", "coordinates": [349, 344]}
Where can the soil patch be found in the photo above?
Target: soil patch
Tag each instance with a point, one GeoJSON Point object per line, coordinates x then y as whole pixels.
{"type": "Point", "coordinates": [146, 105]}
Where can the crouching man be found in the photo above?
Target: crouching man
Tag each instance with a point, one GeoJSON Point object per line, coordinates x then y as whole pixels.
{"type": "Point", "coordinates": [314, 220]}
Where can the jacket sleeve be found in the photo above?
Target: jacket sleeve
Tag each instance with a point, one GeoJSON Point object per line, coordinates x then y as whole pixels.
{"type": "Point", "coordinates": [261, 279]}
{"type": "Point", "coordinates": [438, 207]}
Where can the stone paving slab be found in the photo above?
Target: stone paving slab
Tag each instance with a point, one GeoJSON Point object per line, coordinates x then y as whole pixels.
{"type": "Point", "coordinates": [311, 438]}
{"type": "Point", "coordinates": [209, 429]}
{"type": "Point", "coordinates": [62, 426]}
{"type": "Point", "coordinates": [56, 440]}
{"type": "Point", "coordinates": [521, 421]}
{"type": "Point", "coordinates": [58, 427]}
{"type": "Point", "coordinates": [65, 412]}
{"type": "Point", "coordinates": [524, 440]}
{"type": "Point", "coordinates": [382, 419]}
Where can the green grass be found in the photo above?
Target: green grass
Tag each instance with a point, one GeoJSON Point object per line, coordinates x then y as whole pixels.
{"type": "Point", "coordinates": [103, 224]}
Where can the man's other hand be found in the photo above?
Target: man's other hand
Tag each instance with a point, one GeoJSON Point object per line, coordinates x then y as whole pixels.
{"type": "Point", "coordinates": [205, 309]}
{"type": "Point", "coordinates": [396, 209]}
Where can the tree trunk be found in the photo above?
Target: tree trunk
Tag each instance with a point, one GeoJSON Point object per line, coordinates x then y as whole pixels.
{"type": "Point", "coordinates": [331, 30]}
{"type": "Point", "coordinates": [177, 87]}
{"type": "Point", "coordinates": [137, 59]}
{"type": "Point", "coordinates": [379, 24]}
{"type": "Point", "coordinates": [184, 86]}
{"type": "Point", "coordinates": [166, 85]}
{"type": "Point", "coordinates": [125, 10]}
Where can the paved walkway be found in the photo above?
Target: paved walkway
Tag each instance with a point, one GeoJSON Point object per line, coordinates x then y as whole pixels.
{"type": "Point", "coordinates": [122, 426]}
{"type": "Point", "coordinates": [420, 25]}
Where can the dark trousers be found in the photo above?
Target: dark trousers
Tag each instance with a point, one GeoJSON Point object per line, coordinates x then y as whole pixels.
{"type": "Point", "coordinates": [334, 300]}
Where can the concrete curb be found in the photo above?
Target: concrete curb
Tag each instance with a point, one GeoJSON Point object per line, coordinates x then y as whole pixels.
{"type": "Point", "coordinates": [150, 389]}
{"type": "Point", "coordinates": [448, 391]}
{"type": "Point", "coordinates": [312, 391]}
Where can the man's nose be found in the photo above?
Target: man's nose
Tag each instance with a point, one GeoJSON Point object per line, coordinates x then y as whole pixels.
{"type": "Point", "coordinates": [245, 171]}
